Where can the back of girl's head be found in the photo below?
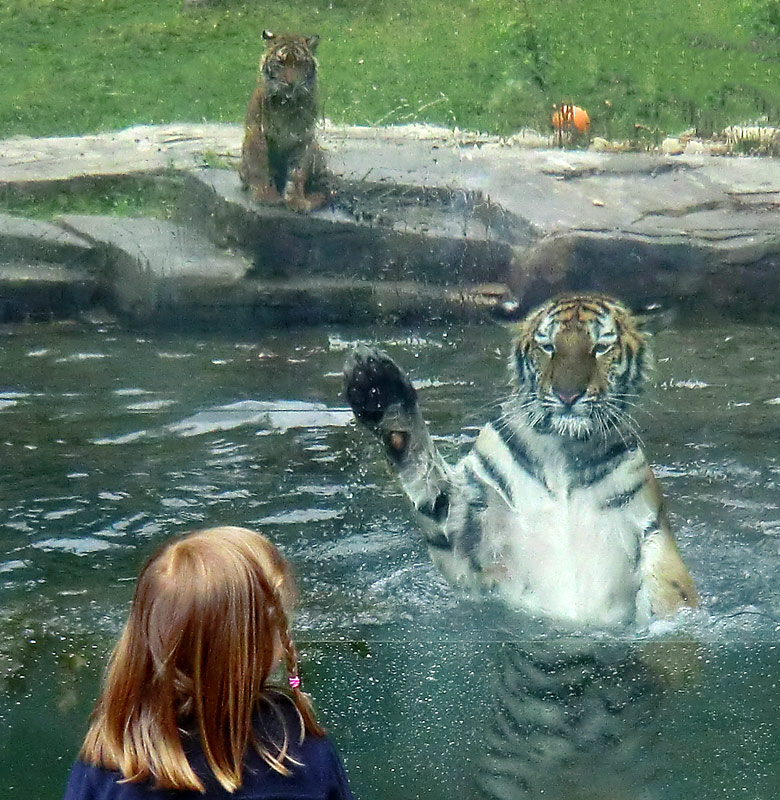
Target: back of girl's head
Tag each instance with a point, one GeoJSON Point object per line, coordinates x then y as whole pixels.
{"type": "Point", "coordinates": [207, 625]}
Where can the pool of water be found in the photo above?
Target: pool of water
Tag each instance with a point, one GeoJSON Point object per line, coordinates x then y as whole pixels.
{"type": "Point", "coordinates": [113, 440]}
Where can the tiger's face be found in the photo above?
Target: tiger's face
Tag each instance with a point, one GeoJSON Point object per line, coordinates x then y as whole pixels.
{"type": "Point", "coordinates": [579, 362]}
{"type": "Point", "coordinates": [288, 67]}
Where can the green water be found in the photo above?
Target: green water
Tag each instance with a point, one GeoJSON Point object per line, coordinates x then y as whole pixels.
{"type": "Point", "coordinates": [113, 440]}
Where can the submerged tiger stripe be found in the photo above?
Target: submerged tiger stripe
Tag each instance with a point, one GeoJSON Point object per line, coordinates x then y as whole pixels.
{"type": "Point", "coordinates": [561, 706]}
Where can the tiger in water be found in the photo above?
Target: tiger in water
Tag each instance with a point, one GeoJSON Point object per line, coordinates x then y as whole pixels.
{"type": "Point", "coordinates": [555, 509]}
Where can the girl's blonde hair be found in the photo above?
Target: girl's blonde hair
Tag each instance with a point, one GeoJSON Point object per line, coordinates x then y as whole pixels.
{"type": "Point", "coordinates": [207, 624]}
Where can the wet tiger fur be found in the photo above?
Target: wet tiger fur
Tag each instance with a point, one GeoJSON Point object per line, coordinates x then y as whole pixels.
{"type": "Point", "coordinates": [555, 507]}
{"type": "Point", "coordinates": [572, 719]}
{"type": "Point", "coordinates": [280, 159]}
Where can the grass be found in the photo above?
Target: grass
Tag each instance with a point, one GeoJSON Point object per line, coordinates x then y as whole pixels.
{"type": "Point", "coordinates": [78, 66]}
{"type": "Point", "coordinates": [126, 196]}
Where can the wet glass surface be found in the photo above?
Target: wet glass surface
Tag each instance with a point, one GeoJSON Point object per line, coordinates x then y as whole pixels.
{"type": "Point", "coordinates": [112, 441]}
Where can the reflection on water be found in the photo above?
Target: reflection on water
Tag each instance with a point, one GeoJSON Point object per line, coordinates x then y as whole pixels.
{"type": "Point", "coordinates": [564, 705]}
{"type": "Point", "coordinates": [112, 441]}
{"type": "Point", "coordinates": [278, 415]}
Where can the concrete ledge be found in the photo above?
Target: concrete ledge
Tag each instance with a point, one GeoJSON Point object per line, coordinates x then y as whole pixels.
{"type": "Point", "coordinates": [44, 291]}
{"type": "Point", "coordinates": [149, 264]}
{"type": "Point", "coordinates": [739, 275]}
{"type": "Point", "coordinates": [34, 240]}
{"type": "Point", "coordinates": [385, 232]}
{"type": "Point", "coordinates": [418, 227]}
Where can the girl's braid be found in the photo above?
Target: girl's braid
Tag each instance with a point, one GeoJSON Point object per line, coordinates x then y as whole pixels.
{"type": "Point", "coordinates": [282, 625]}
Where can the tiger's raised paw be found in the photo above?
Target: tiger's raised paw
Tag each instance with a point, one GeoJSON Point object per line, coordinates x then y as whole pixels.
{"type": "Point", "coordinates": [373, 382]}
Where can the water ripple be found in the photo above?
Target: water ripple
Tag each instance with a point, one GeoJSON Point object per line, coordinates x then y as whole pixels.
{"type": "Point", "coordinates": [281, 415]}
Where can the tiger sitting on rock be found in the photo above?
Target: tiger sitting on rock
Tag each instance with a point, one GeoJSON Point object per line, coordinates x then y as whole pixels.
{"type": "Point", "coordinates": [555, 507]}
{"type": "Point", "coordinates": [280, 159]}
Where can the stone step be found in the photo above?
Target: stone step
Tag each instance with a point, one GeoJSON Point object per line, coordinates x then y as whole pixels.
{"type": "Point", "coordinates": [150, 264]}
{"type": "Point", "coordinates": [170, 274]}
{"type": "Point", "coordinates": [692, 231]}
{"type": "Point", "coordinates": [33, 240]}
{"type": "Point", "coordinates": [369, 231]}
{"type": "Point", "coordinates": [41, 291]}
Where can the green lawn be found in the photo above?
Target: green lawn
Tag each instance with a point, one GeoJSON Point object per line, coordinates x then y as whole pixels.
{"type": "Point", "coordinates": [74, 66]}
{"type": "Point", "coordinates": [126, 196]}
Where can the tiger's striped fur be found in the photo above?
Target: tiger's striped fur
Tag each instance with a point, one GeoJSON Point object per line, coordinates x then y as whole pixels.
{"type": "Point", "coordinates": [555, 507]}
{"type": "Point", "coordinates": [572, 719]}
{"type": "Point", "coordinates": [280, 158]}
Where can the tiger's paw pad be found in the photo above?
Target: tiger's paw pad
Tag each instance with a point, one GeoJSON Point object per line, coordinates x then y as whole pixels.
{"type": "Point", "coordinates": [373, 382]}
{"type": "Point", "coordinates": [397, 441]}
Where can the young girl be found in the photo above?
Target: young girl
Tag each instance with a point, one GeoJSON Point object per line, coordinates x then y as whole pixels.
{"type": "Point", "coordinates": [186, 703]}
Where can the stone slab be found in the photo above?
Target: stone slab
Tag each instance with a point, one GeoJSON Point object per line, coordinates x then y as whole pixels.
{"type": "Point", "coordinates": [166, 273]}
{"type": "Point", "coordinates": [36, 240]}
{"type": "Point", "coordinates": [371, 231]}
{"type": "Point", "coordinates": [671, 244]}
{"type": "Point", "coordinates": [151, 263]}
{"type": "Point", "coordinates": [140, 149]}
{"type": "Point", "coordinates": [551, 189]}
{"type": "Point", "coordinates": [183, 145]}
{"type": "Point", "coordinates": [649, 271]}
{"type": "Point", "coordinates": [436, 209]}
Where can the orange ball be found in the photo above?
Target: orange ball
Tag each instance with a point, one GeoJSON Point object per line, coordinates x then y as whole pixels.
{"type": "Point", "coordinates": [569, 117]}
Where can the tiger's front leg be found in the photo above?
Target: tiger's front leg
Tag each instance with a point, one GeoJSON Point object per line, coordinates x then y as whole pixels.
{"type": "Point", "coordinates": [385, 403]}
{"type": "Point", "coordinates": [254, 169]}
{"type": "Point", "coordinates": [300, 166]}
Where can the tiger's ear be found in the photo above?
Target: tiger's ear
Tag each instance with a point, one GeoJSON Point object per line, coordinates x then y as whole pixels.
{"type": "Point", "coordinates": [313, 41]}
{"type": "Point", "coordinates": [268, 35]}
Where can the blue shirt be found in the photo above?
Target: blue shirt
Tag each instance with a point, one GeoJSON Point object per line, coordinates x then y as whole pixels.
{"type": "Point", "coordinates": [320, 776]}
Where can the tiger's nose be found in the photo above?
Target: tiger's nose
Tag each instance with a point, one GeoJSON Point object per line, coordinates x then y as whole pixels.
{"type": "Point", "coordinates": [568, 397]}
